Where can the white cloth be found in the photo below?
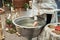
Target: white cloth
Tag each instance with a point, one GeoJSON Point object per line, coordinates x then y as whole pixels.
{"type": "Point", "coordinates": [44, 1]}
{"type": "Point", "coordinates": [47, 33]}
{"type": "Point", "coordinates": [46, 4]}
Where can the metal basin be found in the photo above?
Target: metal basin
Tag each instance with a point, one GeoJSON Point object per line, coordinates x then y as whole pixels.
{"type": "Point", "coordinates": [24, 25]}
{"type": "Point", "coordinates": [27, 22]}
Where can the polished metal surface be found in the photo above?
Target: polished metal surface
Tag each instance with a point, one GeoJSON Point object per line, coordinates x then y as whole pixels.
{"type": "Point", "coordinates": [24, 25]}
{"type": "Point", "coordinates": [27, 22]}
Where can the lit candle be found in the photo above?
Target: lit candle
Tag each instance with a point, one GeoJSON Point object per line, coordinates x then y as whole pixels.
{"type": "Point", "coordinates": [30, 4]}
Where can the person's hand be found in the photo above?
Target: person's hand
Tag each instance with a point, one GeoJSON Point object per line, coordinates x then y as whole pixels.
{"type": "Point", "coordinates": [1, 10]}
{"type": "Point", "coordinates": [35, 23]}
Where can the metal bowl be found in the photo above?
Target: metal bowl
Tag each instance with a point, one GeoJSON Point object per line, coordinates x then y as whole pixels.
{"type": "Point", "coordinates": [27, 22]}
{"type": "Point", "coordinates": [24, 25]}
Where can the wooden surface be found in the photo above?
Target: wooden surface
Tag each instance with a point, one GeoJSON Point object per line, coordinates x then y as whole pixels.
{"type": "Point", "coordinates": [19, 3]}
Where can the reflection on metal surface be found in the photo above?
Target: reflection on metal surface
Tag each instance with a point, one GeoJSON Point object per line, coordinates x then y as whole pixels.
{"type": "Point", "coordinates": [28, 21]}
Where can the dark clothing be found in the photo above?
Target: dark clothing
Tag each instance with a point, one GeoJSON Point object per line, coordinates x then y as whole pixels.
{"type": "Point", "coordinates": [49, 16]}
{"type": "Point", "coordinates": [1, 4]}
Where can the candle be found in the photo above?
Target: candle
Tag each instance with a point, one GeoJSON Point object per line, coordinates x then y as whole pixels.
{"type": "Point", "coordinates": [30, 4]}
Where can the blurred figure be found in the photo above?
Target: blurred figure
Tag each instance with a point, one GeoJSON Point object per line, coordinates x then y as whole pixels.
{"type": "Point", "coordinates": [1, 4]}
{"type": "Point", "coordinates": [49, 5]}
